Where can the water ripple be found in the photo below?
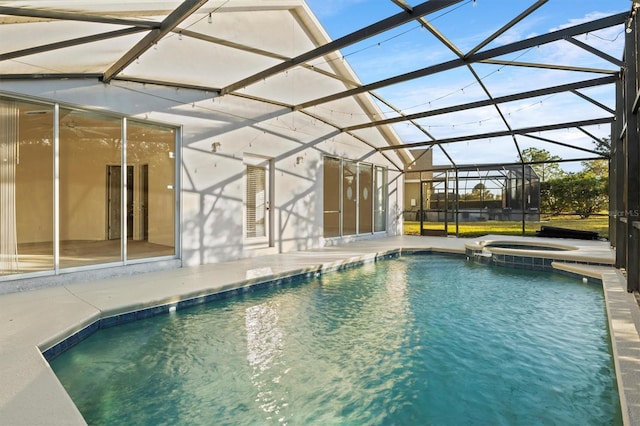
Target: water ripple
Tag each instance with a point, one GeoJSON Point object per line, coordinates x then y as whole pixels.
{"type": "Point", "coordinates": [419, 340]}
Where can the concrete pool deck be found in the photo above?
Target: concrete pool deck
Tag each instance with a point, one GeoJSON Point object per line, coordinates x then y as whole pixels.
{"type": "Point", "coordinates": [33, 321]}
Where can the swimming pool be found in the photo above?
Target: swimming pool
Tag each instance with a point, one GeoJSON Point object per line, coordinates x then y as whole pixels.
{"type": "Point", "coordinates": [416, 340]}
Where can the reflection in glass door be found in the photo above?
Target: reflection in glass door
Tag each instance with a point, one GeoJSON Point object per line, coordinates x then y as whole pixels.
{"type": "Point", "coordinates": [114, 202]}
{"type": "Point", "coordinates": [144, 202]}
{"type": "Point", "coordinates": [380, 203]}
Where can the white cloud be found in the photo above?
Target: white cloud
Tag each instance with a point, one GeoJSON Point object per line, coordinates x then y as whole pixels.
{"type": "Point", "coordinates": [592, 16]}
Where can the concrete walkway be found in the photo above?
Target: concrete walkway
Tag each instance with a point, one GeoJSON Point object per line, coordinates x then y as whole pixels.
{"type": "Point", "coordinates": [33, 321]}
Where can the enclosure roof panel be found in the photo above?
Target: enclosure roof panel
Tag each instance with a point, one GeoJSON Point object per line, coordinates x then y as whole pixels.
{"type": "Point", "coordinates": [390, 73]}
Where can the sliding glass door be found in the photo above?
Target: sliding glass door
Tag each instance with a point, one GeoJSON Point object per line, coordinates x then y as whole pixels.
{"type": "Point", "coordinates": [354, 197]}
{"type": "Point", "coordinates": [113, 200]}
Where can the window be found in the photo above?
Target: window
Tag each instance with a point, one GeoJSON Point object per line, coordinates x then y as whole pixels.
{"type": "Point", "coordinates": [256, 202]}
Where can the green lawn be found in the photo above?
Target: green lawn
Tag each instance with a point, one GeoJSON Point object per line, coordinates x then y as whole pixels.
{"type": "Point", "coordinates": [599, 224]}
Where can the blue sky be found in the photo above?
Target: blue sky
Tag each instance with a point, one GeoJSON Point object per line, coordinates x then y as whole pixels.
{"type": "Point", "coordinates": [408, 47]}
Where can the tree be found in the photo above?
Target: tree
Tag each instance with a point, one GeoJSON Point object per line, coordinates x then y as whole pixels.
{"type": "Point", "coordinates": [596, 168]}
{"type": "Point", "coordinates": [544, 168]}
{"type": "Point", "coordinates": [603, 146]}
{"type": "Point", "coordinates": [588, 193]}
{"type": "Point", "coordinates": [581, 193]}
{"type": "Point", "coordinates": [480, 192]}
{"type": "Point", "coordinates": [599, 167]}
{"type": "Point", "coordinates": [552, 198]}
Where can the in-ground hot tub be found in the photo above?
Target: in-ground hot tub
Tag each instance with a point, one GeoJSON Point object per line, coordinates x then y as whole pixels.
{"type": "Point", "coordinates": [522, 245]}
{"type": "Point", "coordinates": [536, 255]}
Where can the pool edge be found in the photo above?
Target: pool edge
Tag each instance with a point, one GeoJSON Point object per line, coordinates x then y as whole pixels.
{"type": "Point", "coordinates": [22, 405]}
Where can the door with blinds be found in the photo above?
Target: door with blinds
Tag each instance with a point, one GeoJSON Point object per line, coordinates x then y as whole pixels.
{"type": "Point", "coordinates": [257, 217]}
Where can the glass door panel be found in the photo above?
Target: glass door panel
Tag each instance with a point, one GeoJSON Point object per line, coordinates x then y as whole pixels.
{"type": "Point", "coordinates": [380, 203]}
{"type": "Point", "coordinates": [365, 191]}
{"type": "Point", "coordinates": [90, 149]}
{"type": "Point", "coordinates": [349, 198]}
{"type": "Point", "coordinates": [151, 191]}
{"type": "Point", "coordinates": [331, 185]}
{"type": "Point", "coordinates": [26, 187]}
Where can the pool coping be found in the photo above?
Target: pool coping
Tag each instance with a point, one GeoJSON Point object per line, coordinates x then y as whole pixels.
{"type": "Point", "coordinates": [31, 393]}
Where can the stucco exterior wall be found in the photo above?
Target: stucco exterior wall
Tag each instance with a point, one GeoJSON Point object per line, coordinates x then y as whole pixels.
{"type": "Point", "coordinates": [211, 189]}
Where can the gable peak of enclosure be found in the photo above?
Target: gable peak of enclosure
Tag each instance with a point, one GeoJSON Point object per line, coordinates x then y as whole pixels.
{"type": "Point", "coordinates": [198, 46]}
{"type": "Point", "coordinates": [122, 153]}
{"type": "Point", "coordinates": [198, 131]}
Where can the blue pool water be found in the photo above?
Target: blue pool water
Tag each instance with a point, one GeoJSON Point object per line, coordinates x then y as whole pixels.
{"type": "Point", "coordinates": [420, 340]}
